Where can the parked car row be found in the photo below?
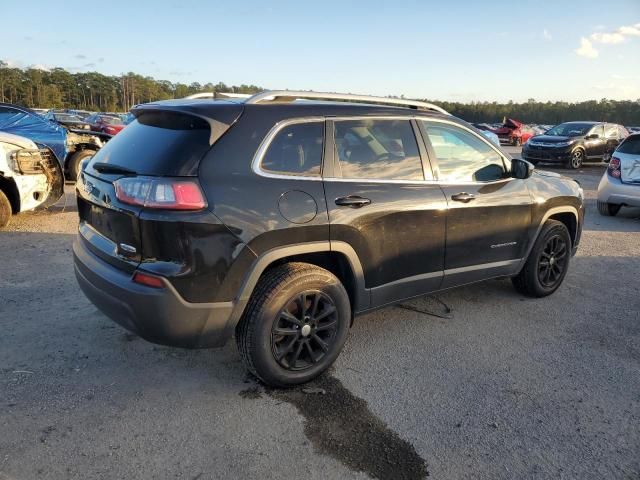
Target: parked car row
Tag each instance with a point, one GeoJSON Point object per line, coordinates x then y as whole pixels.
{"type": "Point", "coordinates": [37, 154]}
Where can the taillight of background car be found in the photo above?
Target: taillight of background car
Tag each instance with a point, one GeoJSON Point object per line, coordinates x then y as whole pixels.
{"type": "Point", "coordinates": [160, 193]}
{"type": "Point", "coordinates": [614, 167]}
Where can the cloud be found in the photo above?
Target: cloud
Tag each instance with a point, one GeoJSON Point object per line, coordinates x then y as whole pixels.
{"type": "Point", "coordinates": [609, 38]}
{"type": "Point", "coordinates": [101, 59]}
{"type": "Point", "coordinates": [546, 34]}
{"type": "Point", "coordinates": [618, 36]}
{"type": "Point", "coordinates": [586, 49]}
{"type": "Point", "coordinates": [90, 65]}
{"type": "Point", "coordinates": [80, 56]}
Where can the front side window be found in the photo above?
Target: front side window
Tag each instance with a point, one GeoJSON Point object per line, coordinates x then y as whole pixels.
{"type": "Point", "coordinates": [462, 156]}
{"type": "Point", "coordinates": [377, 150]}
{"type": "Point", "coordinates": [296, 150]}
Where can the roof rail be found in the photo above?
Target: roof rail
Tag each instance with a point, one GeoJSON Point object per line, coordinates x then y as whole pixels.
{"type": "Point", "coordinates": [217, 95]}
{"type": "Point", "coordinates": [291, 95]}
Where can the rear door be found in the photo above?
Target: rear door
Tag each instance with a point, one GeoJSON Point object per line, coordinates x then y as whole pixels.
{"type": "Point", "coordinates": [489, 212]}
{"type": "Point", "coordinates": [629, 154]}
{"type": "Point", "coordinates": [383, 202]}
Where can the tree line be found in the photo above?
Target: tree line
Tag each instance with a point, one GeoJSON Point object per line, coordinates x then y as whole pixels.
{"type": "Point", "coordinates": [58, 88]}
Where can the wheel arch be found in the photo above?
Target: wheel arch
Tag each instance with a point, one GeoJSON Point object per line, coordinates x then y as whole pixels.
{"type": "Point", "coordinates": [567, 214]}
{"type": "Point", "coordinates": [337, 257]}
{"type": "Point", "coordinates": [10, 189]}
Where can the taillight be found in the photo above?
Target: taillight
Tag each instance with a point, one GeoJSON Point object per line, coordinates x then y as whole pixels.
{"type": "Point", "coordinates": [161, 193]}
{"type": "Point", "coordinates": [110, 130]}
{"type": "Point", "coordinates": [148, 280]}
{"type": "Point", "coordinates": [614, 167]}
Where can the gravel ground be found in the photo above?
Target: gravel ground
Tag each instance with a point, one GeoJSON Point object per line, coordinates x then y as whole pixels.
{"type": "Point", "coordinates": [501, 387]}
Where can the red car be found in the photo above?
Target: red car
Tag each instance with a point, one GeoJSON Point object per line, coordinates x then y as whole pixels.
{"type": "Point", "coordinates": [105, 123]}
{"type": "Point", "coordinates": [513, 132]}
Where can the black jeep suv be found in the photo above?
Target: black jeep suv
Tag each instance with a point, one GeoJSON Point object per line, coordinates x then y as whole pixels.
{"type": "Point", "coordinates": [279, 219]}
{"type": "Point", "coordinates": [573, 143]}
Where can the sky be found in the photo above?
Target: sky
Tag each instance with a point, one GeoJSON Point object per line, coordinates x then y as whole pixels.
{"type": "Point", "coordinates": [445, 50]}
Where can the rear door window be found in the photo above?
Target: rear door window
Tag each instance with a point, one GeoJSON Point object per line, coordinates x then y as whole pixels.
{"type": "Point", "coordinates": [378, 150]}
{"type": "Point", "coordinates": [159, 143]}
{"type": "Point", "coordinates": [296, 150]}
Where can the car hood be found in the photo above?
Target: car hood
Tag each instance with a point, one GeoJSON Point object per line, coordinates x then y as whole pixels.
{"type": "Point", "coordinates": [17, 140]}
{"type": "Point", "coordinates": [551, 138]}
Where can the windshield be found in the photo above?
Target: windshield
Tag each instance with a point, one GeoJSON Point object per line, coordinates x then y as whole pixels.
{"type": "Point", "coordinates": [570, 129]}
{"type": "Point", "coordinates": [111, 120]}
{"type": "Point", "coordinates": [67, 118]}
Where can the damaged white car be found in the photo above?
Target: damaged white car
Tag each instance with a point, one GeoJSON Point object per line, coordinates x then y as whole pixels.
{"type": "Point", "coordinates": [29, 177]}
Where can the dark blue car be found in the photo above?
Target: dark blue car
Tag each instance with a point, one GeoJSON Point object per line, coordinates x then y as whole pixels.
{"type": "Point", "coordinates": [69, 147]}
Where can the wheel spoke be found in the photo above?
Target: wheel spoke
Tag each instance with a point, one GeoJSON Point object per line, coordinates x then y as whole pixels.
{"type": "Point", "coordinates": [312, 354]}
{"type": "Point", "coordinates": [326, 326]}
{"type": "Point", "coordinates": [325, 313]}
{"type": "Point", "coordinates": [286, 331]}
{"type": "Point", "coordinates": [290, 318]}
{"type": "Point", "coordinates": [294, 359]}
{"type": "Point", "coordinates": [287, 349]}
{"type": "Point", "coordinates": [314, 307]}
{"type": "Point", "coordinates": [323, 345]}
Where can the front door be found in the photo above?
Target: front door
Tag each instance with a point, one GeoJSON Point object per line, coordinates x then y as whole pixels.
{"type": "Point", "coordinates": [595, 145]}
{"type": "Point", "coordinates": [489, 212]}
{"type": "Point", "coordinates": [380, 204]}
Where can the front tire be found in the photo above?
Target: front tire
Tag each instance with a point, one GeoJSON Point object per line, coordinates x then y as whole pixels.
{"type": "Point", "coordinates": [576, 160]}
{"type": "Point", "coordinates": [5, 210]}
{"type": "Point", "coordinates": [548, 262]}
{"type": "Point", "coordinates": [294, 325]}
{"type": "Point", "coordinates": [608, 209]}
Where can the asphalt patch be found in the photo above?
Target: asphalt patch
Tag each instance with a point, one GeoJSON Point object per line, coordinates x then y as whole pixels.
{"type": "Point", "coordinates": [341, 425]}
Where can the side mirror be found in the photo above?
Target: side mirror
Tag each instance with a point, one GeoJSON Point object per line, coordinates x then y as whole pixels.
{"type": "Point", "coordinates": [521, 168]}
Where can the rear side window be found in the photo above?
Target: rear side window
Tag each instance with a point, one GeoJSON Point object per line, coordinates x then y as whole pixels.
{"type": "Point", "coordinates": [611, 131]}
{"type": "Point", "coordinates": [377, 149]}
{"type": "Point", "coordinates": [631, 145]}
{"type": "Point", "coordinates": [296, 150]}
{"type": "Point", "coordinates": [159, 143]}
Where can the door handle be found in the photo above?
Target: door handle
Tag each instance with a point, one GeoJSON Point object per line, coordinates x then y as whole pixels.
{"type": "Point", "coordinates": [352, 201]}
{"type": "Point", "coordinates": [463, 197]}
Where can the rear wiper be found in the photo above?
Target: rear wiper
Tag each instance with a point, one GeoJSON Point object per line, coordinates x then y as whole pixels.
{"type": "Point", "coordinates": [108, 168]}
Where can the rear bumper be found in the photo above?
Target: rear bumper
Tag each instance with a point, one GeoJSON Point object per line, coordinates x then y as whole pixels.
{"type": "Point", "coordinates": [612, 190]}
{"type": "Point", "coordinates": [159, 315]}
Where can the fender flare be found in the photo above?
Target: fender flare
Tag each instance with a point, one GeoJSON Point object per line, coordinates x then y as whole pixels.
{"type": "Point", "coordinates": [260, 264]}
{"type": "Point", "coordinates": [545, 217]}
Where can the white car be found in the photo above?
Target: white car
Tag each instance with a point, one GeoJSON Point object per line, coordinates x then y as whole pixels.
{"type": "Point", "coordinates": [620, 184]}
{"type": "Point", "coordinates": [29, 177]}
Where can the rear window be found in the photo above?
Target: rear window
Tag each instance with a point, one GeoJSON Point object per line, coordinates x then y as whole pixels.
{"type": "Point", "coordinates": [630, 145]}
{"type": "Point", "coordinates": [159, 143]}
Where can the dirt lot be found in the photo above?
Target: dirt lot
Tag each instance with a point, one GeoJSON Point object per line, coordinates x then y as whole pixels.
{"type": "Point", "coordinates": [502, 387]}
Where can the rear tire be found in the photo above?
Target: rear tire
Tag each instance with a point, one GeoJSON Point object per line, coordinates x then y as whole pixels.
{"type": "Point", "coordinates": [608, 209]}
{"type": "Point", "coordinates": [548, 262]}
{"type": "Point", "coordinates": [5, 210]}
{"type": "Point", "coordinates": [278, 337]}
{"type": "Point", "coordinates": [74, 162]}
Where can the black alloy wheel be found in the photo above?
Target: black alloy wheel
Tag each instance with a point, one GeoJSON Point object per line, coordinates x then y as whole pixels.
{"type": "Point", "coordinates": [552, 261]}
{"type": "Point", "coordinates": [304, 330]}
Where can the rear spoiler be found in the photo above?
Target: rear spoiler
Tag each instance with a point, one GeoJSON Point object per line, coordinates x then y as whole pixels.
{"type": "Point", "coordinates": [220, 115]}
